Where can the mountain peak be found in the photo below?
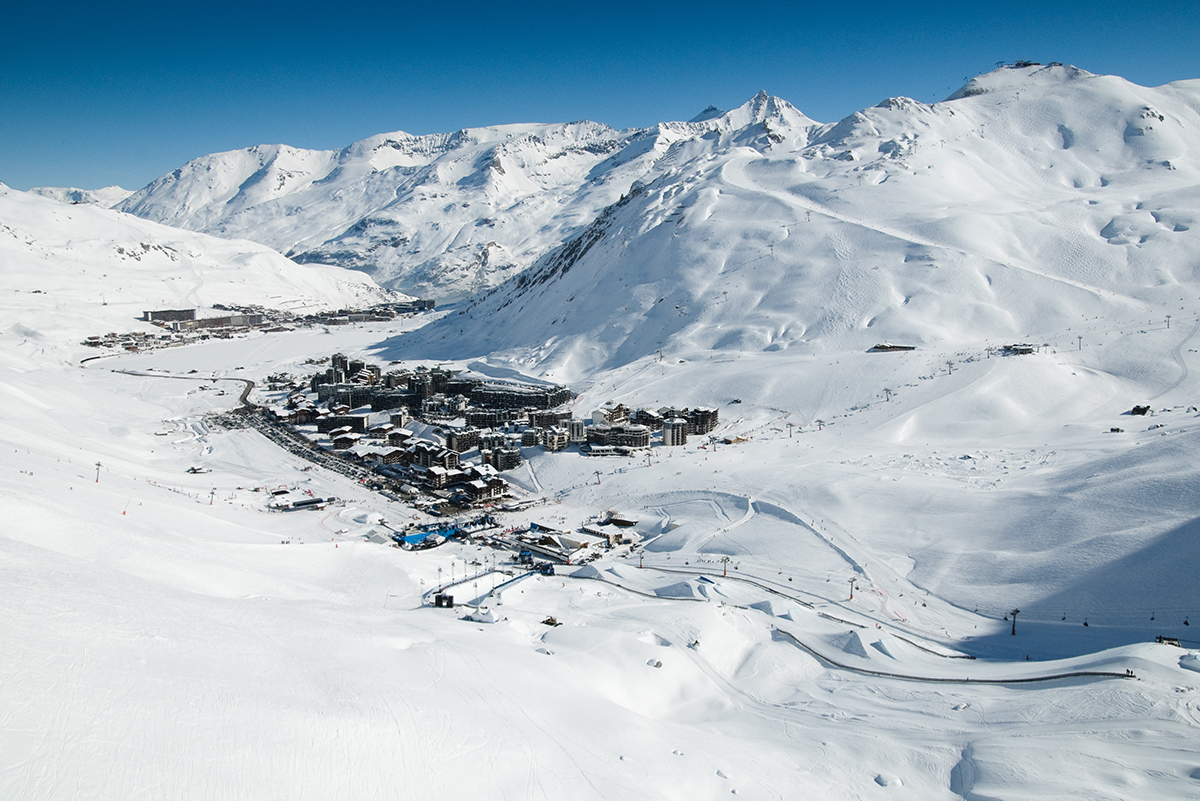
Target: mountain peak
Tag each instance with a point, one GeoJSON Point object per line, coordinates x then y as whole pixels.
{"type": "Point", "coordinates": [1009, 77]}
{"type": "Point", "coordinates": [764, 107]}
{"type": "Point", "coordinates": [709, 113]}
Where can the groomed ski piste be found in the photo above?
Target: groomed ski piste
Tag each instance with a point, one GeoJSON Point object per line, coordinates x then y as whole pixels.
{"type": "Point", "coordinates": [164, 636]}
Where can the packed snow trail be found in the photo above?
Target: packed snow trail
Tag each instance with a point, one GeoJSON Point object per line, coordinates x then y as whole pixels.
{"type": "Point", "coordinates": [823, 657]}
{"type": "Point", "coordinates": [948, 680]}
{"type": "Point", "coordinates": [1177, 355]}
{"type": "Point", "coordinates": [759, 583]}
{"type": "Point", "coordinates": [734, 172]}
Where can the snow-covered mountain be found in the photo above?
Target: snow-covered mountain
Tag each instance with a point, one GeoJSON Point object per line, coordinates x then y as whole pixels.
{"type": "Point", "coordinates": [76, 270]}
{"type": "Point", "coordinates": [446, 214]}
{"type": "Point", "coordinates": [1035, 198]}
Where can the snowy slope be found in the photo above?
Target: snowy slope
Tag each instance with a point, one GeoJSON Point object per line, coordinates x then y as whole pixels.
{"type": "Point", "coordinates": [163, 631]}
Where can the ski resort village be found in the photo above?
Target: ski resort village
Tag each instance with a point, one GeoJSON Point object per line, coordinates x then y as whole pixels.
{"type": "Point", "coordinates": [746, 455]}
{"type": "Point", "coordinates": [354, 418]}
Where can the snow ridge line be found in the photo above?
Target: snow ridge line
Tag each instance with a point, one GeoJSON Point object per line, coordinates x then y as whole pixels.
{"type": "Point", "coordinates": [866, 672]}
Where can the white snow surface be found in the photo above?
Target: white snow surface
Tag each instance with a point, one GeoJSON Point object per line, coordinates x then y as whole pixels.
{"type": "Point", "coordinates": [164, 636]}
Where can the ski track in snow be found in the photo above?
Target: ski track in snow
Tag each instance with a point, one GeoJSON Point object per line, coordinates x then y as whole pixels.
{"type": "Point", "coordinates": [1177, 355]}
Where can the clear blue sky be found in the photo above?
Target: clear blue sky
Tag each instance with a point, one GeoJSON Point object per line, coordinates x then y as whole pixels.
{"type": "Point", "coordinates": [119, 93]}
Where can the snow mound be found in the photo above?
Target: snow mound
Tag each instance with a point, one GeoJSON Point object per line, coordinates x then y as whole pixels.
{"type": "Point", "coordinates": [588, 572]}
{"type": "Point", "coordinates": [682, 589]}
{"type": "Point", "coordinates": [851, 643]}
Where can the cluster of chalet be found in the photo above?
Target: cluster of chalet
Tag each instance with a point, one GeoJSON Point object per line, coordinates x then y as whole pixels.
{"type": "Point", "coordinates": [132, 342]}
{"type": "Point", "coordinates": [432, 395]}
{"type": "Point", "coordinates": [397, 452]}
{"type": "Point", "coordinates": [494, 418]}
{"type": "Point", "coordinates": [618, 429]}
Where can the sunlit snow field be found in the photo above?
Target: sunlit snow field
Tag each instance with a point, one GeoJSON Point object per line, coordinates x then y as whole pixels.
{"type": "Point", "coordinates": [165, 636]}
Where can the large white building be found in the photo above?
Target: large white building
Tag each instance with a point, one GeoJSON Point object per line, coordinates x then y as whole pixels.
{"type": "Point", "coordinates": [675, 431]}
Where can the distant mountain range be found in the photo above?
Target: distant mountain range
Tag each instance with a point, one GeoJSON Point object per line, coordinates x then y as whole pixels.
{"type": "Point", "coordinates": [445, 215]}
{"type": "Point", "coordinates": [1017, 203]}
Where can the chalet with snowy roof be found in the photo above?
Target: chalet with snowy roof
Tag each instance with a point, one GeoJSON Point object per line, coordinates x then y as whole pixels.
{"type": "Point", "coordinates": [345, 441]}
{"type": "Point", "coordinates": [555, 439]}
{"type": "Point", "coordinates": [631, 436]}
{"type": "Point", "coordinates": [392, 456]}
{"type": "Point", "coordinates": [506, 458]}
{"type": "Point", "coordinates": [700, 420]}
{"type": "Point", "coordinates": [461, 439]}
{"type": "Point", "coordinates": [435, 477]}
{"type": "Point", "coordinates": [399, 436]}
{"type": "Point", "coordinates": [611, 414]}
{"type": "Point", "coordinates": [486, 489]}
{"type": "Point", "coordinates": [429, 454]}
{"type": "Point", "coordinates": [356, 423]}
{"type": "Point", "coordinates": [491, 440]}
{"type": "Point", "coordinates": [381, 431]}
{"type": "Point", "coordinates": [648, 418]}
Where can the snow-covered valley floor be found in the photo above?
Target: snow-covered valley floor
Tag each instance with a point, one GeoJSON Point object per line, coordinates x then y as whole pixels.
{"type": "Point", "coordinates": [163, 636]}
